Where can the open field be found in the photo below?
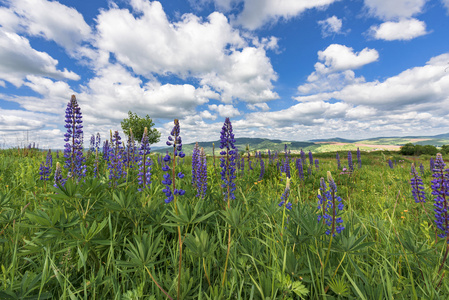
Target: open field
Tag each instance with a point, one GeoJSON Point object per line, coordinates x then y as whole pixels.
{"type": "Point", "coordinates": [98, 239]}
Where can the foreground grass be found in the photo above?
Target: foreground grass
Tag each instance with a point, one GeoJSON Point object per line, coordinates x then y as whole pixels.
{"type": "Point", "coordinates": [91, 241]}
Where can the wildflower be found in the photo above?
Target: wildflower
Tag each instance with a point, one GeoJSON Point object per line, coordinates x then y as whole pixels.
{"type": "Point", "coordinates": [174, 139]}
{"type": "Point", "coordinates": [115, 160]}
{"type": "Point", "coordinates": [262, 169]}
{"type": "Point", "coordinates": [350, 165]}
{"type": "Point", "coordinates": [330, 205]}
{"type": "Point", "coordinates": [58, 176]}
{"type": "Point", "coordinates": [303, 157]}
{"type": "Point", "coordinates": [417, 186]}
{"type": "Point", "coordinates": [227, 160]}
{"type": "Point", "coordinates": [359, 158]}
{"type": "Point", "coordinates": [310, 158]}
{"type": "Point", "coordinates": [195, 162]}
{"type": "Point", "coordinates": [300, 169]}
{"type": "Point", "coordinates": [338, 161]}
{"type": "Point", "coordinates": [440, 189]}
{"type": "Point", "coordinates": [44, 169]}
{"type": "Point", "coordinates": [390, 163]}
{"type": "Point", "coordinates": [73, 149]}
{"type": "Point", "coordinates": [144, 162]}
{"type": "Point", "coordinates": [284, 197]}
{"type": "Point", "coordinates": [317, 164]}
{"type": "Point", "coordinates": [201, 174]}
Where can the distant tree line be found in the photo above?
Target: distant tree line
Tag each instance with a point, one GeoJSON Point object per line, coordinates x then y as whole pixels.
{"type": "Point", "coordinates": [411, 149]}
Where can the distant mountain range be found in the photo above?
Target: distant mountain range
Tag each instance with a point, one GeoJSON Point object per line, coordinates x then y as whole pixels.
{"type": "Point", "coordinates": [318, 145]}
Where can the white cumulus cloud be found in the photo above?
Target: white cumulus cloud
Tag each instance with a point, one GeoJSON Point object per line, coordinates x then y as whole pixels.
{"type": "Point", "coordinates": [330, 26]}
{"type": "Point", "coordinates": [393, 10]}
{"type": "Point", "coordinates": [18, 59]}
{"type": "Point", "coordinates": [406, 29]}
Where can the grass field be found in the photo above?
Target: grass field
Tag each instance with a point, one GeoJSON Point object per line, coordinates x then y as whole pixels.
{"type": "Point", "coordinates": [97, 240]}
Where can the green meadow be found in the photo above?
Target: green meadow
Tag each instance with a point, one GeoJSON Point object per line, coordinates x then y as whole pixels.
{"type": "Point", "coordinates": [96, 240]}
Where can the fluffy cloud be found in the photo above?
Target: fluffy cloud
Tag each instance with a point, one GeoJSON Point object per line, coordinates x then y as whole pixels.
{"type": "Point", "coordinates": [393, 10]}
{"type": "Point", "coordinates": [339, 58]}
{"type": "Point", "coordinates": [256, 13]}
{"type": "Point", "coordinates": [18, 59]}
{"type": "Point", "coordinates": [401, 30]}
{"type": "Point", "coordinates": [335, 69]}
{"type": "Point", "coordinates": [209, 50]}
{"type": "Point", "coordinates": [48, 19]}
{"type": "Point", "coordinates": [446, 4]}
{"type": "Point", "coordinates": [225, 110]}
{"type": "Point", "coordinates": [330, 26]}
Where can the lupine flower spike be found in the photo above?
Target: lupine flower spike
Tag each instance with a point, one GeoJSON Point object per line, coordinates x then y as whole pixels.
{"type": "Point", "coordinates": [331, 206]}
{"type": "Point", "coordinates": [227, 160]}
{"type": "Point", "coordinates": [73, 149]}
{"type": "Point", "coordinates": [145, 162]}
{"type": "Point", "coordinates": [201, 175]}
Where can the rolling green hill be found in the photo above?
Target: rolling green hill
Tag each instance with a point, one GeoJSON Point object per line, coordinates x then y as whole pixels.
{"type": "Point", "coordinates": [318, 145]}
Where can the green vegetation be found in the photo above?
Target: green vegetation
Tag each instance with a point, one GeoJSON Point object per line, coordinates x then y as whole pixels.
{"type": "Point", "coordinates": [137, 126]}
{"type": "Point", "coordinates": [95, 241]}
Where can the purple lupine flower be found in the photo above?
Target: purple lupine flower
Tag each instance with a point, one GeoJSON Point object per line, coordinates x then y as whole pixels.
{"type": "Point", "coordinates": [249, 165]}
{"type": "Point", "coordinates": [300, 169]}
{"type": "Point", "coordinates": [338, 161]}
{"type": "Point", "coordinates": [242, 165]}
{"type": "Point", "coordinates": [262, 169]}
{"type": "Point", "coordinates": [284, 197]}
{"type": "Point", "coordinates": [44, 169]}
{"type": "Point", "coordinates": [432, 164]}
{"type": "Point", "coordinates": [417, 186]}
{"type": "Point", "coordinates": [174, 139]}
{"type": "Point", "coordinates": [359, 158]}
{"type": "Point", "coordinates": [58, 176]}
{"type": "Point", "coordinates": [144, 162]}
{"type": "Point", "coordinates": [303, 157]}
{"type": "Point", "coordinates": [309, 171]}
{"type": "Point", "coordinates": [106, 150]}
{"type": "Point", "coordinates": [330, 206]}
{"type": "Point", "coordinates": [201, 175]}
{"type": "Point", "coordinates": [98, 141]}
{"type": "Point", "coordinates": [57, 154]}
{"type": "Point", "coordinates": [227, 160]}
{"type": "Point", "coordinates": [96, 163]}
{"type": "Point", "coordinates": [195, 162]}
{"type": "Point", "coordinates": [115, 161]}
{"type": "Point", "coordinates": [287, 167]}
{"type": "Point", "coordinates": [440, 189]}
{"type": "Point", "coordinates": [310, 158]}
{"type": "Point", "coordinates": [390, 163]}
{"type": "Point", "coordinates": [73, 149]}
{"type": "Point", "coordinates": [317, 164]}
{"type": "Point", "coordinates": [421, 169]}
{"type": "Point", "coordinates": [92, 143]}
{"type": "Point", "coordinates": [350, 165]}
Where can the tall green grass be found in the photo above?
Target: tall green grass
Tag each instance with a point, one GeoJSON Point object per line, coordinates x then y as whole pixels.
{"type": "Point", "coordinates": [92, 241]}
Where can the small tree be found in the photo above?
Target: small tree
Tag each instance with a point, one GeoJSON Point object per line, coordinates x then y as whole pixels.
{"type": "Point", "coordinates": [138, 124]}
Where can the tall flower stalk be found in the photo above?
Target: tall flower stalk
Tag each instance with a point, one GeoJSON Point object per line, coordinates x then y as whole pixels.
{"type": "Point", "coordinates": [350, 164]}
{"type": "Point", "coordinates": [144, 175]}
{"type": "Point", "coordinates": [174, 139]}
{"type": "Point", "coordinates": [440, 189]}
{"type": "Point", "coordinates": [227, 163]}
{"type": "Point", "coordinates": [73, 148]}
{"type": "Point", "coordinates": [201, 174]}
{"type": "Point", "coordinates": [115, 160]}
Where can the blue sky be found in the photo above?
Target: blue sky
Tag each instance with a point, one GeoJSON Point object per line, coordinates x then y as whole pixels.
{"type": "Point", "coordinates": [283, 69]}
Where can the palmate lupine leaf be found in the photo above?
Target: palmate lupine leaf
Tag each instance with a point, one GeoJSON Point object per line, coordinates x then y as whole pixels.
{"type": "Point", "coordinates": [339, 286]}
{"type": "Point", "coordinates": [186, 215]}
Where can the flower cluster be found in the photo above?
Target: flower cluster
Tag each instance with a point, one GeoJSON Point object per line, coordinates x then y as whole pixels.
{"type": "Point", "coordinates": [338, 161]}
{"type": "Point", "coordinates": [284, 197]}
{"type": "Point", "coordinates": [115, 160]}
{"type": "Point", "coordinates": [174, 139]}
{"type": "Point", "coordinates": [58, 176]}
{"type": "Point", "coordinates": [417, 186]}
{"type": "Point", "coordinates": [317, 164]}
{"type": "Point", "coordinates": [440, 189]}
{"type": "Point", "coordinates": [73, 148]}
{"type": "Point", "coordinates": [350, 165]}
{"type": "Point", "coordinates": [390, 163]}
{"type": "Point", "coordinates": [310, 158]}
{"type": "Point", "coordinates": [144, 162]}
{"type": "Point", "coordinates": [45, 167]}
{"type": "Point", "coordinates": [201, 174]}
{"type": "Point", "coordinates": [330, 206]}
{"type": "Point", "coordinates": [227, 160]}
{"type": "Point", "coordinates": [359, 158]}
{"type": "Point", "coordinates": [300, 169]}
{"type": "Point", "coordinates": [262, 169]}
